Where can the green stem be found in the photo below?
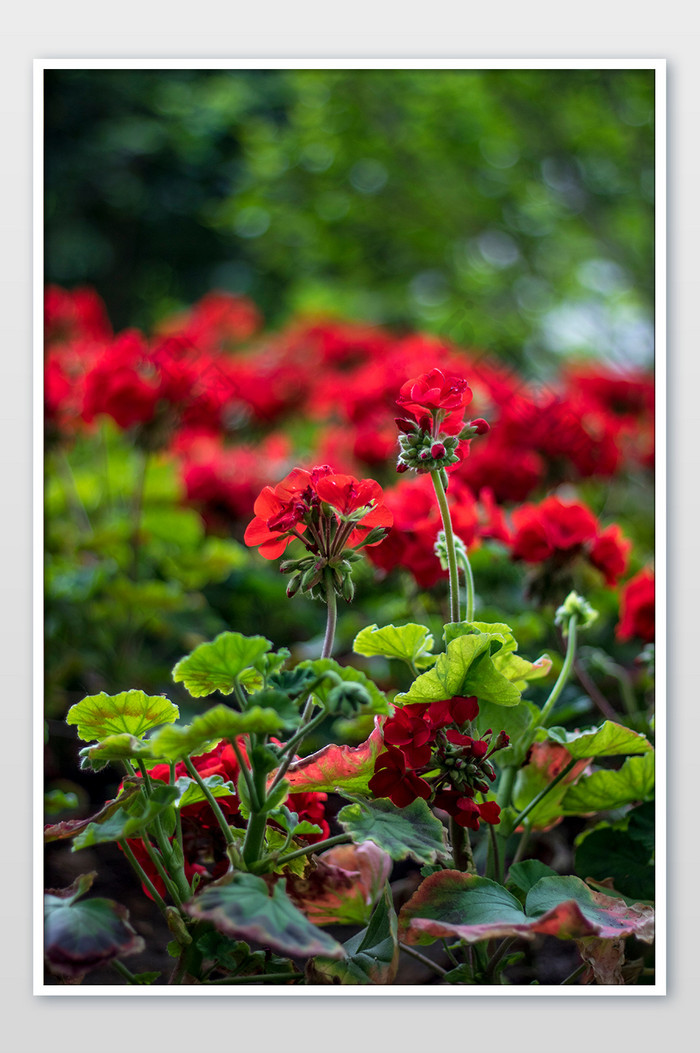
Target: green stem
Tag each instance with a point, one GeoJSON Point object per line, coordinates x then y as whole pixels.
{"type": "Point", "coordinates": [505, 786]}
{"type": "Point", "coordinates": [257, 821]}
{"type": "Point", "coordinates": [73, 498]}
{"type": "Point", "coordinates": [165, 877]}
{"type": "Point", "coordinates": [504, 946]}
{"type": "Point", "coordinates": [561, 679]}
{"type": "Point", "coordinates": [494, 855]}
{"type": "Point", "coordinates": [332, 616]}
{"type": "Point", "coordinates": [320, 846]}
{"type": "Point", "coordinates": [143, 877]}
{"type": "Point", "coordinates": [461, 848]}
{"type": "Point", "coordinates": [245, 771]}
{"type": "Point", "coordinates": [449, 543]}
{"type": "Point", "coordinates": [543, 793]}
{"type": "Point", "coordinates": [123, 971]}
{"type": "Point", "coordinates": [522, 844]}
{"type": "Point", "coordinates": [469, 583]}
{"type": "Point", "coordinates": [423, 959]}
{"type": "Point", "coordinates": [213, 803]}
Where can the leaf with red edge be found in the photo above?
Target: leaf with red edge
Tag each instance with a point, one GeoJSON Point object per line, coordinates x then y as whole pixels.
{"type": "Point", "coordinates": [71, 827]}
{"type": "Point", "coordinates": [246, 908]}
{"type": "Point", "coordinates": [80, 936]}
{"type": "Point", "coordinates": [452, 904]}
{"type": "Point", "coordinates": [344, 767]}
{"type": "Point", "coordinates": [371, 956]}
{"type": "Point", "coordinates": [343, 886]}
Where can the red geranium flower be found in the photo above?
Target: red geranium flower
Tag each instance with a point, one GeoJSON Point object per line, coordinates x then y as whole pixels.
{"type": "Point", "coordinates": [391, 779]}
{"type": "Point", "coordinates": [278, 511]}
{"type": "Point", "coordinates": [609, 554]}
{"type": "Point", "coordinates": [348, 495]}
{"type": "Point", "coordinates": [637, 608]}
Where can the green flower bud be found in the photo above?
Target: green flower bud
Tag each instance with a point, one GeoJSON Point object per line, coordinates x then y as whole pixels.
{"type": "Point", "coordinates": [575, 604]}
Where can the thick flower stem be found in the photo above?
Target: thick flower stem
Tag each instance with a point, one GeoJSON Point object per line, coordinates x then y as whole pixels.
{"type": "Point", "coordinates": [563, 675]}
{"type": "Point", "coordinates": [469, 583]}
{"type": "Point", "coordinates": [143, 877]}
{"type": "Point", "coordinates": [461, 848]}
{"type": "Point", "coordinates": [213, 803]}
{"type": "Point", "coordinates": [332, 616]}
{"type": "Point", "coordinates": [450, 545]}
{"type": "Point", "coordinates": [257, 822]}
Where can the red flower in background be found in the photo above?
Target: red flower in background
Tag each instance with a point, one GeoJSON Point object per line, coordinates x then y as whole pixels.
{"type": "Point", "coordinates": [638, 608]}
{"type": "Point", "coordinates": [203, 842]}
{"type": "Point", "coordinates": [609, 553]}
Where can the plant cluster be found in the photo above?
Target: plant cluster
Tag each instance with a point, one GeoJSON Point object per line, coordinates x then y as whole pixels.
{"type": "Point", "coordinates": [250, 846]}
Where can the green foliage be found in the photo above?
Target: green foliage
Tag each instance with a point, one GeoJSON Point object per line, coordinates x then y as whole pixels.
{"type": "Point", "coordinates": [411, 643]}
{"type": "Point", "coordinates": [605, 790]}
{"type": "Point", "coordinates": [220, 722]}
{"type": "Point", "coordinates": [377, 699]}
{"type": "Point", "coordinates": [131, 820]}
{"type": "Point", "coordinates": [219, 665]}
{"type": "Point", "coordinates": [247, 908]}
{"type": "Point", "coordinates": [609, 740]}
{"type": "Point", "coordinates": [133, 712]}
{"type": "Point", "coordinates": [371, 956]}
{"type": "Point", "coordinates": [402, 832]}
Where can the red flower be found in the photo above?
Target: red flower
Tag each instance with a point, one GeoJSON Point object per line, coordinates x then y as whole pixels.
{"type": "Point", "coordinates": [465, 811]}
{"type": "Point", "coordinates": [568, 523]}
{"type": "Point", "coordinates": [348, 495]}
{"type": "Point", "coordinates": [609, 554]}
{"type": "Point", "coordinates": [409, 731]}
{"type": "Point", "coordinates": [443, 397]}
{"type": "Point", "coordinates": [392, 780]}
{"type": "Point", "coordinates": [531, 539]}
{"type": "Point", "coordinates": [637, 608]}
{"type": "Point", "coordinates": [278, 511]}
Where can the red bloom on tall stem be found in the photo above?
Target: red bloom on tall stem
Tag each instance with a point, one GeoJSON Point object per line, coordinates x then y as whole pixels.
{"type": "Point", "coordinates": [637, 608]}
{"type": "Point", "coordinates": [434, 391]}
{"type": "Point", "coordinates": [279, 512]}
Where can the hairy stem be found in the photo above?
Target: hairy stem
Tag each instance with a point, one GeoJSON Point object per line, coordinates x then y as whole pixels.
{"type": "Point", "coordinates": [450, 545]}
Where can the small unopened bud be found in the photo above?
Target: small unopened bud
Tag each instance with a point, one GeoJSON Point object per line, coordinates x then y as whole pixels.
{"type": "Point", "coordinates": [401, 467]}
{"type": "Point", "coordinates": [480, 426]}
{"type": "Point", "coordinates": [405, 425]}
{"type": "Point", "coordinates": [437, 450]}
{"type": "Point", "coordinates": [376, 535]}
{"type": "Point", "coordinates": [293, 584]}
{"type": "Point", "coordinates": [312, 576]}
{"type": "Point", "coordinates": [424, 455]}
{"type": "Point", "coordinates": [348, 589]}
{"type": "Point", "coordinates": [575, 605]}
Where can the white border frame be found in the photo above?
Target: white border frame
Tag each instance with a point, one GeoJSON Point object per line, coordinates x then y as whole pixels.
{"type": "Point", "coordinates": [660, 366]}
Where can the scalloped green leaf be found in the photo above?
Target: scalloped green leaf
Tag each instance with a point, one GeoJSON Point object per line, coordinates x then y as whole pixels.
{"type": "Point", "coordinates": [499, 632]}
{"type": "Point", "coordinates": [99, 716]}
{"type": "Point", "coordinates": [189, 792]}
{"type": "Point", "coordinates": [371, 956]}
{"type": "Point", "coordinates": [247, 908]}
{"type": "Point", "coordinates": [410, 643]}
{"type": "Point", "coordinates": [609, 740]}
{"type": "Point", "coordinates": [451, 904]}
{"type": "Point", "coordinates": [81, 936]}
{"type": "Point", "coordinates": [131, 819]}
{"type": "Point", "coordinates": [379, 702]}
{"type": "Point", "coordinates": [207, 729]}
{"type": "Point", "coordinates": [71, 827]}
{"type": "Point", "coordinates": [605, 790]}
{"type": "Point", "coordinates": [466, 668]}
{"type": "Point", "coordinates": [411, 831]}
{"type": "Point", "coordinates": [218, 665]}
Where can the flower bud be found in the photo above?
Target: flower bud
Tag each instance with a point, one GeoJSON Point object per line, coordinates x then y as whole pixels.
{"type": "Point", "coordinates": [406, 426]}
{"type": "Point", "coordinates": [437, 450]}
{"type": "Point", "coordinates": [348, 589]}
{"type": "Point", "coordinates": [293, 584]}
{"type": "Point", "coordinates": [480, 426]}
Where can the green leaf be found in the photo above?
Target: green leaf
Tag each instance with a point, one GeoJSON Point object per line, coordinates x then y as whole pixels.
{"type": "Point", "coordinates": [371, 956]}
{"type": "Point", "coordinates": [189, 791]}
{"type": "Point", "coordinates": [522, 876]}
{"type": "Point", "coordinates": [207, 729]}
{"type": "Point", "coordinates": [115, 748]}
{"type": "Point", "coordinates": [609, 740]}
{"type": "Point", "coordinates": [247, 908]}
{"type": "Point", "coordinates": [499, 632]}
{"type": "Point", "coordinates": [411, 831]}
{"type": "Point", "coordinates": [379, 702]}
{"type": "Point", "coordinates": [453, 904]}
{"type": "Point", "coordinates": [348, 768]}
{"type": "Point", "coordinates": [465, 669]}
{"type": "Point", "coordinates": [133, 712]}
{"type": "Point", "coordinates": [344, 884]}
{"type": "Point", "coordinates": [280, 702]}
{"type": "Point", "coordinates": [411, 642]}
{"type": "Point", "coordinates": [608, 853]}
{"type": "Point", "coordinates": [216, 666]}
{"type": "Point", "coordinates": [516, 721]}
{"type": "Point", "coordinates": [130, 820]}
{"type": "Point", "coordinates": [605, 790]}
{"type": "Point", "coordinates": [81, 936]}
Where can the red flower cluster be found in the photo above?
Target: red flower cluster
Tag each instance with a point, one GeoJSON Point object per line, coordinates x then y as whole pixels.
{"type": "Point", "coordinates": [429, 756]}
{"type": "Point", "coordinates": [443, 398]}
{"type": "Point", "coordinates": [638, 608]}
{"type": "Point", "coordinates": [203, 841]}
{"type": "Point", "coordinates": [564, 530]}
{"type": "Point", "coordinates": [350, 509]}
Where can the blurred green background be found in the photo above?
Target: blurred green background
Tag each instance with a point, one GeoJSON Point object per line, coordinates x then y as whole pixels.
{"type": "Point", "coordinates": [510, 210]}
